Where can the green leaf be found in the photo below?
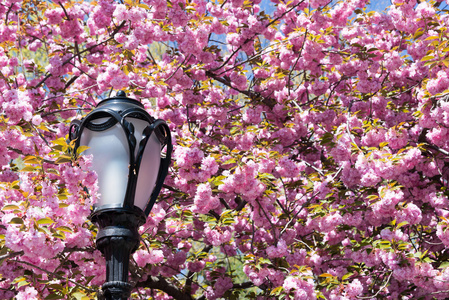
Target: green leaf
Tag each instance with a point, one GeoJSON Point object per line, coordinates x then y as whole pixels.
{"type": "Point", "coordinates": [80, 296]}
{"type": "Point", "coordinates": [58, 148]}
{"type": "Point", "coordinates": [59, 235]}
{"type": "Point", "coordinates": [52, 171]}
{"type": "Point", "coordinates": [277, 291]}
{"type": "Point", "coordinates": [23, 283]}
{"type": "Point", "coordinates": [18, 279]}
{"type": "Point", "coordinates": [43, 127]}
{"type": "Point", "coordinates": [229, 161]}
{"type": "Point", "coordinates": [31, 160]}
{"type": "Point", "coordinates": [29, 169]}
{"type": "Point", "coordinates": [217, 182]}
{"type": "Point", "coordinates": [372, 197]}
{"type": "Point", "coordinates": [403, 246]}
{"type": "Point", "coordinates": [427, 57]}
{"type": "Point", "coordinates": [65, 228]}
{"type": "Point", "coordinates": [428, 260]}
{"type": "Point", "coordinates": [16, 221]}
{"type": "Point", "coordinates": [401, 224]}
{"type": "Point", "coordinates": [265, 261]}
{"type": "Point", "coordinates": [267, 175]}
{"type": "Point", "coordinates": [56, 286]}
{"type": "Point", "coordinates": [144, 6]}
{"type": "Point", "coordinates": [81, 149]}
{"type": "Point", "coordinates": [61, 141]}
{"type": "Point", "coordinates": [63, 159]}
{"type": "Point", "coordinates": [10, 207]}
{"type": "Point", "coordinates": [54, 296]}
{"type": "Point", "coordinates": [418, 33]}
{"type": "Point", "coordinates": [45, 221]}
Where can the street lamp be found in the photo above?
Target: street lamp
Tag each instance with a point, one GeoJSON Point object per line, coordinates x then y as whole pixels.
{"type": "Point", "coordinates": [126, 144]}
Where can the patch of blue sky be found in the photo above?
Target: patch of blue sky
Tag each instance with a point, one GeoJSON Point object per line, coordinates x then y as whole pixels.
{"type": "Point", "coordinates": [378, 5]}
{"type": "Point", "coordinates": [269, 8]}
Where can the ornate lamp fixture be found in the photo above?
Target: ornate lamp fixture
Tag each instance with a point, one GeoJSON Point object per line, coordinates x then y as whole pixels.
{"type": "Point", "coordinates": [126, 144]}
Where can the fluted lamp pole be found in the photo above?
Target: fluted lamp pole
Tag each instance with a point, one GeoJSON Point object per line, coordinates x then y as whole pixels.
{"type": "Point", "coordinates": [127, 147]}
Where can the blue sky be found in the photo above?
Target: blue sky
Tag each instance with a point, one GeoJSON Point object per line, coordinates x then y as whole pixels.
{"type": "Point", "coordinates": [378, 5]}
{"type": "Point", "coordinates": [269, 7]}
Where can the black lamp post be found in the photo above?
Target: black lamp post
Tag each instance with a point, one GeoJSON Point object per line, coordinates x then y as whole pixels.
{"type": "Point", "coordinates": [126, 144]}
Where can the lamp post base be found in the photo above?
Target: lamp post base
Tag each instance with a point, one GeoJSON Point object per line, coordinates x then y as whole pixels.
{"type": "Point", "coordinates": [117, 244]}
{"type": "Point", "coordinates": [117, 239]}
{"type": "Point", "coordinates": [116, 290]}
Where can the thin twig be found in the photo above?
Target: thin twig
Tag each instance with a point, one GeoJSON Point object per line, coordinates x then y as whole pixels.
{"type": "Point", "coordinates": [380, 289]}
{"type": "Point", "coordinates": [56, 275]}
{"type": "Point", "coordinates": [63, 110]}
{"type": "Point", "coordinates": [11, 255]}
{"type": "Point", "coordinates": [180, 65]}
{"type": "Point", "coordinates": [116, 30]}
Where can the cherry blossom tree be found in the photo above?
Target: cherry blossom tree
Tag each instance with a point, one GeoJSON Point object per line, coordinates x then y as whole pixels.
{"type": "Point", "coordinates": [311, 155]}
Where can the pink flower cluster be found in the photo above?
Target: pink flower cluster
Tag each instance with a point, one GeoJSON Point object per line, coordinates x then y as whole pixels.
{"type": "Point", "coordinates": [280, 250]}
{"type": "Point", "coordinates": [439, 84]}
{"type": "Point", "coordinates": [112, 77]}
{"type": "Point", "coordinates": [301, 289]}
{"type": "Point", "coordinates": [204, 200]}
{"type": "Point", "coordinates": [244, 182]}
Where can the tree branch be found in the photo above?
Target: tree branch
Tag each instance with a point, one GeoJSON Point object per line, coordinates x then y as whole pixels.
{"type": "Point", "coordinates": [250, 94]}
{"type": "Point", "coordinates": [160, 283]}
{"type": "Point", "coordinates": [55, 275]}
{"type": "Point", "coordinates": [78, 54]}
{"type": "Point", "coordinates": [11, 255]}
